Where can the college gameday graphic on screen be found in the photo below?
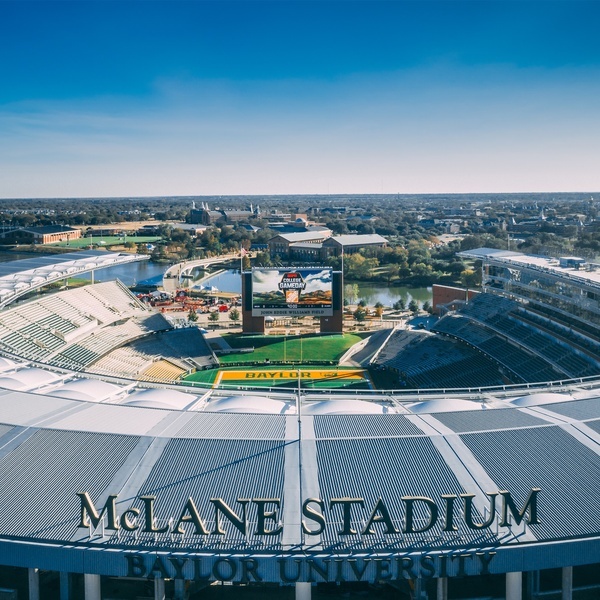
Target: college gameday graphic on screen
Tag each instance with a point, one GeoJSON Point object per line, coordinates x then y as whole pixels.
{"type": "Point", "coordinates": [292, 292]}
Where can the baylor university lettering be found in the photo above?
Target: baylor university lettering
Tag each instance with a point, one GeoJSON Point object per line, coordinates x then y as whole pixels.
{"type": "Point", "coordinates": [263, 516]}
{"type": "Point", "coordinates": [293, 569]}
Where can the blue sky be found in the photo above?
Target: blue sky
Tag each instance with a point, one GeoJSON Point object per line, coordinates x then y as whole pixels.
{"type": "Point", "coordinates": [149, 98]}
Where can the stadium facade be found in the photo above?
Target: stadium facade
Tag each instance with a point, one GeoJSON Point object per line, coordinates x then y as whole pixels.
{"type": "Point", "coordinates": [105, 479]}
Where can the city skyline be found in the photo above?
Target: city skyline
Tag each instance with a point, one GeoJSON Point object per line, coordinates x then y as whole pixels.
{"type": "Point", "coordinates": [209, 98]}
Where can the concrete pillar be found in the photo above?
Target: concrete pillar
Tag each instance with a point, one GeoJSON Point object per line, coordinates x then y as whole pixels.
{"type": "Point", "coordinates": [567, 583]}
{"type": "Point", "coordinates": [513, 586]}
{"type": "Point", "coordinates": [303, 590]}
{"type": "Point", "coordinates": [418, 589]}
{"type": "Point", "coordinates": [159, 589]}
{"type": "Point", "coordinates": [442, 588]}
{"type": "Point", "coordinates": [65, 586]}
{"type": "Point", "coordinates": [179, 589]}
{"type": "Point", "coordinates": [34, 584]}
{"type": "Point", "coordinates": [91, 586]}
{"type": "Point", "coordinates": [532, 584]}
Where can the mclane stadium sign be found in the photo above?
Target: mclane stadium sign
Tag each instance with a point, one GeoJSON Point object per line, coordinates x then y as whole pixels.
{"type": "Point", "coordinates": [262, 517]}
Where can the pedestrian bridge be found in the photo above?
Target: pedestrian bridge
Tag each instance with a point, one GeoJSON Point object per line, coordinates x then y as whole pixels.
{"type": "Point", "coordinates": [174, 274]}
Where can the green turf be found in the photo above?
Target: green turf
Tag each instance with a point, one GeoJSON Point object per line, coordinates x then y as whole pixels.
{"type": "Point", "coordinates": [106, 241]}
{"type": "Point", "coordinates": [294, 349]}
{"type": "Point", "coordinates": [206, 377]}
{"type": "Point", "coordinates": [332, 384]}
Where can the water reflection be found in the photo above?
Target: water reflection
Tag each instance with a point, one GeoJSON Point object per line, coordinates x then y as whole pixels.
{"type": "Point", "coordinates": [228, 281]}
{"type": "Point", "coordinates": [133, 273]}
{"type": "Point", "coordinates": [373, 293]}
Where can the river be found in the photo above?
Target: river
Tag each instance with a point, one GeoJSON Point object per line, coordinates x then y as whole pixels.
{"type": "Point", "coordinates": [147, 272]}
{"type": "Point", "coordinates": [372, 293]}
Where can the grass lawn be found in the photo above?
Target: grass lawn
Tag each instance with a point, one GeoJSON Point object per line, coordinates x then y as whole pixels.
{"type": "Point", "coordinates": [106, 241]}
{"type": "Point", "coordinates": [297, 349]}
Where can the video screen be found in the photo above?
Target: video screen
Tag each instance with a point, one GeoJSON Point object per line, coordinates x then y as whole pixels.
{"type": "Point", "coordinates": [292, 291]}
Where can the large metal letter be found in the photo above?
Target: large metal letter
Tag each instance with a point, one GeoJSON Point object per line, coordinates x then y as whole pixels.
{"type": "Point", "coordinates": [530, 504]}
{"type": "Point", "coordinates": [469, 511]}
{"type": "Point", "coordinates": [264, 515]}
{"type": "Point", "coordinates": [89, 514]}
{"type": "Point", "coordinates": [347, 504]}
{"type": "Point", "coordinates": [313, 515]}
{"type": "Point", "coordinates": [382, 517]}
{"type": "Point", "coordinates": [190, 514]}
{"type": "Point", "coordinates": [433, 513]}
{"type": "Point", "coordinates": [237, 522]}
{"type": "Point", "coordinates": [149, 508]}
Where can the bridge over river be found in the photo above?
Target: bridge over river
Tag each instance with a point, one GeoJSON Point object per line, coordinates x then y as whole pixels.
{"type": "Point", "coordinates": [172, 279]}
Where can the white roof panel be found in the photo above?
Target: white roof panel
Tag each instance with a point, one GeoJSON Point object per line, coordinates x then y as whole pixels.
{"type": "Point", "coordinates": [111, 418]}
{"type": "Point", "coordinates": [345, 407]}
{"type": "Point", "coordinates": [249, 404]}
{"type": "Point", "coordinates": [539, 399]}
{"type": "Point", "coordinates": [160, 398]}
{"type": "Point", "coordinates": [28, 378]}
{"type": "Point", "coordinates": [90, 390]}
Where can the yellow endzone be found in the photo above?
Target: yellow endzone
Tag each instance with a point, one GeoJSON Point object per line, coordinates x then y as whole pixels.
{"type": "Point", "coordinates": [290, 374]}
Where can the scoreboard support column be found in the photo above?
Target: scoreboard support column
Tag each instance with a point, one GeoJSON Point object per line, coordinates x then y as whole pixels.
{"type": "Point", "coordinates": [250, 324]}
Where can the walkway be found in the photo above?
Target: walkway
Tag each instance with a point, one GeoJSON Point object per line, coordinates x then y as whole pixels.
{"type": "Point", "coordinates": [361, 353]}
{"type": "Point", "coordinates": [172, 277]}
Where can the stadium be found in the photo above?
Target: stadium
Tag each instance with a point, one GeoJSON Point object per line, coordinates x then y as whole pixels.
{"type": "Point", "coordinates": [477, 475]}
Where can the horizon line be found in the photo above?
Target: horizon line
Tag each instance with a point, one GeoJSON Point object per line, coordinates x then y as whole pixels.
{"type": "Point", "coordinates": [297, 195]}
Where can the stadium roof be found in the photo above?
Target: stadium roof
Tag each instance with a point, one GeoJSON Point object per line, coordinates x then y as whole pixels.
{"type": "Point", "coordinates": [350, 447]}
{"type": "Point", "coordinates": [22, 276]}
{"type": "Point", "coordinates": [590, 276]}
{"type": "Point", "coordinates": [345, 407]}
{"type": "Point", "coordinates": [143, 444]}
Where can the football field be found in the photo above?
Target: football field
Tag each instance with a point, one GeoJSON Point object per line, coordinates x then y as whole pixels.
{"type": "Point", "coordinates": [286, 377]}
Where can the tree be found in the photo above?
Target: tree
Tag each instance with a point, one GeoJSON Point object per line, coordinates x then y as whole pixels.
{"type": "Point", "coordinates": [470, 278]}
{"type": "Point", "coordinates": [234, 315]}
{"type": "Point", "coordinates": [213, 317]}
{"type": "Point", "coordinates": [360, 314]}
{"type": "Point", "coordinates": [351, 292]}
{"type": "Point", "coordinates": [263, 259]}
{"type": "Point", "coordinates": [400, 304]}
{"type": "Point", "coordinates": [413, 306]}
{"type": "Point", "coordinates": [391, 272]}
{"type": "Point", "coordinates": [192, 316]}
{"type": "Point", "coordinates": [356, 266]}
{"type": "Point", "coordinates": [427, 306]}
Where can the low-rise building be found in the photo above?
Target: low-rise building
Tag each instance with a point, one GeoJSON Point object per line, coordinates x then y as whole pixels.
{"type": "Point", "coordinates": [280, 244]}
{"type": "Point", "coordinates": [50, 234]}
{"type": "Point", "coordinates": [351, 243]}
